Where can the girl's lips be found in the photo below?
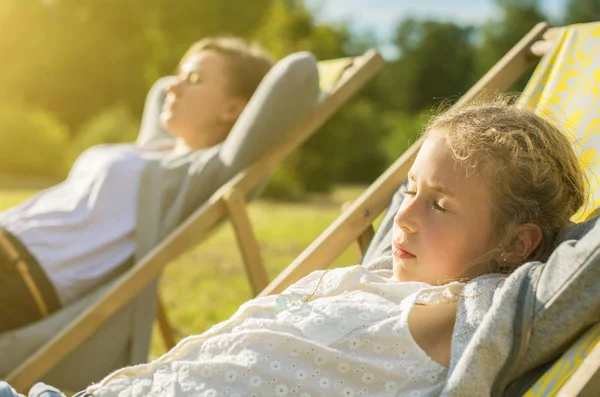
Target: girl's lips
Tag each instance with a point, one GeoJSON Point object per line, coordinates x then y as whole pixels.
{"type": "Point", "coordinates": [400, 252]}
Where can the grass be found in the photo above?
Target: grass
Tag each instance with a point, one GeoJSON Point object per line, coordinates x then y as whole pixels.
{"type": "Point", "coordinates": [208, 283]}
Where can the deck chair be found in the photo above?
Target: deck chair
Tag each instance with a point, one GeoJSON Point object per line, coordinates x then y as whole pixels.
{"type": "Point", "coordinates": [293, 82]}
{"type": "Point", "coordinates": [92, 325]}
{"type": "Point", "coordinates": [564, 87]}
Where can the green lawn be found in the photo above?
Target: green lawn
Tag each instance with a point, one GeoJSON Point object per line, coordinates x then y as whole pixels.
{"type": "Point", "coordinates": [207, 284]}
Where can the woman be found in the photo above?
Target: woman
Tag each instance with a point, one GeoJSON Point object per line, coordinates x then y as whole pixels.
{"type": "Point", "coordinates": [73, 237]}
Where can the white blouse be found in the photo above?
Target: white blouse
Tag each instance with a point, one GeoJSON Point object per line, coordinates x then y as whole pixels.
{"type": "Point", "coordinates": [351, 339]}
{"type": "Point", "coordinates": [83, 228]}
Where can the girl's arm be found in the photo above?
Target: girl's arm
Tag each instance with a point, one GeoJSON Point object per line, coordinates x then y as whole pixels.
{"type": "Point", "coordinates": [431, 328]}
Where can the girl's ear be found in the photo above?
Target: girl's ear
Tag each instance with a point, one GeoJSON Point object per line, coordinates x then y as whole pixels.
{"type": "Point", "coordinates": [524, 239]}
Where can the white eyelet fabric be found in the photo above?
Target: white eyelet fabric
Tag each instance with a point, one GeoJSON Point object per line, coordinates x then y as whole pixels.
{"type": "Point", "coordinates": [350, 339]}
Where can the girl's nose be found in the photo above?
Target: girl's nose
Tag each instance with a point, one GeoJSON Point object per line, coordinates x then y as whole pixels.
{"type": "Point", "coordinates": [406, 218]}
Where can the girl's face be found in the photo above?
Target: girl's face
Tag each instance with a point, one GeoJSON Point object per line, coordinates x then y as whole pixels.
{"type": "Point", "coordinates": [445, 220]}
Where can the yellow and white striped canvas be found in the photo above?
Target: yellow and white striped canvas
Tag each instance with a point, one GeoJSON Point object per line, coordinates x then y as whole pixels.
{"type": "Point", "coordinates": [565, 89]}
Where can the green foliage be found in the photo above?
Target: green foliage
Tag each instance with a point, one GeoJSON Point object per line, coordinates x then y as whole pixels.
{"type": "Point", "coordinates": [113, 125]}
{"type": "Point", "coordinates": [286, 29]}
{"type": "Point", "coordinates": [405, 129]}
{"type": "Point", "coordinates": [285, 184]}
{"type": "Point", "coordinates": [348, 148]}
{"type": "Point", "coordinates": [33, 141]}
{"type": "Point", "coordinates": [578, 11]}
{"type": "Point", "coordinates": [517, 17]}
{"type": "Point", "coordinates": [76, 57]}
{"type": "Point", "coordinates": [73, 60]}
{"type": "Point", "coordinates": [173, 27]}
{"type": "Point", "coordinates": [436, 62]}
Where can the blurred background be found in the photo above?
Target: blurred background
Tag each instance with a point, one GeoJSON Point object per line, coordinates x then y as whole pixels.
{"type": "Point", "coordinates": [75, 73]}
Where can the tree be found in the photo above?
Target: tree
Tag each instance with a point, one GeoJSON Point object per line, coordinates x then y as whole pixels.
{"type": "Point", "coordinates": [578, 11]}
{"type": "Point", "coordinates": [77, 57]}
{"type": "Point", "coordinates": [436, 61]}
{"type": "Point", "coordinates": [349, 147]}
{"type": "Point", "coordinates": [517, 17]}
{"type": "Point", "coordinates": [112, 125]}
{"type": "Point", "coordinates": [33, 141]}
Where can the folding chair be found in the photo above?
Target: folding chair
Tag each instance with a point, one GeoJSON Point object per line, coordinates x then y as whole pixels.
{"type": "Point", "coordinates": [563, 88]}
{"type": "Point", "coordinates": [340, 80]}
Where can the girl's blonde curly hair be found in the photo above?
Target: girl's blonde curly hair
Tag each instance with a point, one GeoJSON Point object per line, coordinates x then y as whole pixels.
{"type": "Point", "coordinates": [534, 175]}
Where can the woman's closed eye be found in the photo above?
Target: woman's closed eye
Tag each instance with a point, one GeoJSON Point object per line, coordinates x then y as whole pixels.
{"type": "Point", "coordinates": [193, 78]}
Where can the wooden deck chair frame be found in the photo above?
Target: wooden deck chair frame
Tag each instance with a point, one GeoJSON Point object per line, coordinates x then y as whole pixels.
{"type": "Point", "coordinates": [228, 201]}
{"type": "Point", "coordinates": [355, 222]}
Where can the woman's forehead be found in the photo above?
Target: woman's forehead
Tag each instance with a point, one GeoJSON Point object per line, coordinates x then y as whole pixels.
{"type": "Point", "coordinates": [204, 61]}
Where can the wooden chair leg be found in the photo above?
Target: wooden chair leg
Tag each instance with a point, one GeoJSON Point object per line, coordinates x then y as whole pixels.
{"type": "Point", "coordinates": [363, 241]}
{"type": "Point", "coordinates": [255, 269]}
{"type": "Point", "coordinates": [166, 331]}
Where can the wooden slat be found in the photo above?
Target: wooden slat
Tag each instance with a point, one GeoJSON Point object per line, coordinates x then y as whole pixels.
{"type": "Point", "coordinates": [361, 71]}
{"type": "Point", "coordinates": [195, 228]}
{"type": "Point", "coordinates": [249, 247]}
{"type": "Point", "coordinates": [585, 381]}
{"type": "Point", "coordinates": [164, 326]}
{"type": "Point", "coordinates": [350, 224]}
{"type": "Point", "coordinates": [257, 275]}
{"type": "Point", "coordinates": [363, 241]}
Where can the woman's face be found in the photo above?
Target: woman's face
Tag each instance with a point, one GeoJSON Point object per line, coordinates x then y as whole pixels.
{"type": "Point", "coordinates": [445, 221]}
{"type": "Point", "coordinates": [199, 108]}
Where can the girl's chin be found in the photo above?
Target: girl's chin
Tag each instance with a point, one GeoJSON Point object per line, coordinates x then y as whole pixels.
{"type": "Point", "coordinates": [401, 270]}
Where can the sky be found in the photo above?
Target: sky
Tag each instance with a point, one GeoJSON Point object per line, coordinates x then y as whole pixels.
{"type": "Point", "coordinates": [381, 16]}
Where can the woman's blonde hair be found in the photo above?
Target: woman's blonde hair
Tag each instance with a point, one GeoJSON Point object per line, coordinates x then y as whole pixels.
{"type": "Point", "coordinates": [247, 62]}
{"type": "Point", "coordinates": [533, 173]}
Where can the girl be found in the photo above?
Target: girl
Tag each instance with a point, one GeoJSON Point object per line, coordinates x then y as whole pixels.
{"type": "Point", "coordinates": [489, 190]}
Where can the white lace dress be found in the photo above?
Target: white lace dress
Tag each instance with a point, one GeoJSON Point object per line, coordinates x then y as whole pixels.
{"type": "Point", "coordinates": [350, 339]}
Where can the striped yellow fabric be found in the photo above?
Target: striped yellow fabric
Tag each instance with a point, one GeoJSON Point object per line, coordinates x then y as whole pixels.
{"type": "Point", "coordinates": [553, 379]}
{"type": "Point", "coordinates": [565, 89]}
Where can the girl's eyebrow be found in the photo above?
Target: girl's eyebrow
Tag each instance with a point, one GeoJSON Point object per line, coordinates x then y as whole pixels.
{"type": "Point", "coordinates": [442, 190]}
{"type": "Point", "coordinates": [437, 188]}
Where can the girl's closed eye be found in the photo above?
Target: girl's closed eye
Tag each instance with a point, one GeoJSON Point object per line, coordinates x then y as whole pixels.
{"type": "Point", "coordinates": [435, 203]}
